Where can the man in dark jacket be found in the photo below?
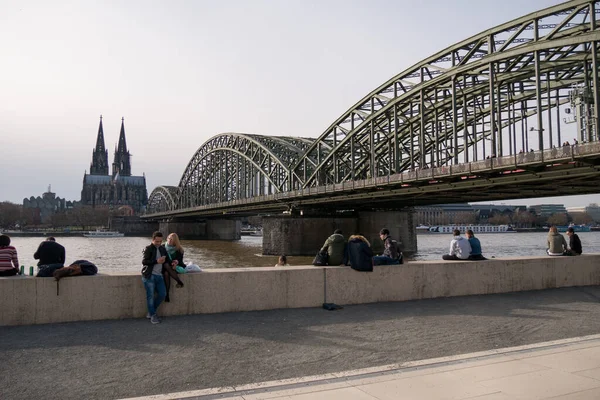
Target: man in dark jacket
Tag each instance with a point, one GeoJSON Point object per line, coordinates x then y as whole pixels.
{"type": "Point", "coordinates": [335, 245]}
{"type": "Point", "coordinates": [390, 254]}
{"type": "Point", "coordinates": [51, 256]}
{"type": "Point", "coordinates": [575, 248]}
{"type": "Point", "coordinates": [155, 255]}
{"type": "Point", "coordinates": [360, 255]}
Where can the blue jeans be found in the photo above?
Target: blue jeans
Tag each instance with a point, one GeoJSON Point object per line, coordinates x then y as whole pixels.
{"type": "Point", "coordinates": [154, 283]}
{"type": "Point", "coordinates": [384, 260]}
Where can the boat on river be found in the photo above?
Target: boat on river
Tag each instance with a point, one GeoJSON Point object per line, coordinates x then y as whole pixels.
{"type": "Point", "coordinates": [576, 228]}
{"type": "Point", "coordinates": [475, 228]}
{"type": "Point", "coordinates": [103, 234]}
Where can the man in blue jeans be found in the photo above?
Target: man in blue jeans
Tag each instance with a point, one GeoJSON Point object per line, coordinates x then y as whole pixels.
{"type": "Point", "coordinates": [155, 255]}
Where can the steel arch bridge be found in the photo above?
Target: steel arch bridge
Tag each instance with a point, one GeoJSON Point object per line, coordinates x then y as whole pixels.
{"type": "Point", "coordinates": [506, 91]}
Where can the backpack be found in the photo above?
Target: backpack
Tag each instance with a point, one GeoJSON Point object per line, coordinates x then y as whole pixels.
{"type": "Point", "coordinates": [397, 247]}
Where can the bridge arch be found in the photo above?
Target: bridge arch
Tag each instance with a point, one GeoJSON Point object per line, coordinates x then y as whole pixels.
{"type": "Point", "coordinates": [479, 98]}
{"type": "Point", "coordinates": [235, 166]}
{"type": "Point", "coordinates": [162, 199]}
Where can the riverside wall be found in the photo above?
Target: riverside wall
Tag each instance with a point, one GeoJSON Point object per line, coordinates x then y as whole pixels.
{"type": "Point", "coordinates": [27, 300]}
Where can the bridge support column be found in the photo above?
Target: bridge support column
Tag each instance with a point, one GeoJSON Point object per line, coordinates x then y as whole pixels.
{"type": "Point", "coordinates": [301, 236]}
{"type": "Point", "coordinates": [304, 236]}
{"type": "Point", "coordinates": [400, 224]}
{"type": "Point", "coordinates": [212, 229]}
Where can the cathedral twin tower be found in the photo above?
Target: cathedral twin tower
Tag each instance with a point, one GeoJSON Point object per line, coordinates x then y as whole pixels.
{"type": "Point", "coordinates": [119, 189]}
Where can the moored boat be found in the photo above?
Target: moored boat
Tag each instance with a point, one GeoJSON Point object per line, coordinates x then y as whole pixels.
{"type": "Point", "coordinates": [475, 228]}
{"type": "Point", "coordinates": [576, 228]}
{"type": "Point", "coordinates": [103, 234]}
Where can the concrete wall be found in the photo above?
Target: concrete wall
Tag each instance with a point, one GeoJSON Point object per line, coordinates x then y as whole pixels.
{"type": "Point", "coordinates": [27, 300]}
{"type": "Point", "coordinates": [132, 225]}
{"type": "Point", "coordinates": [212, 229]}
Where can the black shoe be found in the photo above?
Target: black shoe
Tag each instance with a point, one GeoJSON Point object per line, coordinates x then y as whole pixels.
{"type": "Point", "coordinates": [167, 299]}
{"type": "Point", "coordinates": [179, 285]}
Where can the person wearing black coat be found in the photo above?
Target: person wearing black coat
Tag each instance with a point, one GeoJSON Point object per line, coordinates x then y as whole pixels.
{"type": "Point", "coordinates": [360, 255]}
{"type": "Point", "coordinates": [575, 247]}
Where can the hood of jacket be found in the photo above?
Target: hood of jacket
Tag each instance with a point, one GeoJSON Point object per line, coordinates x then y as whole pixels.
{"type": "Point", "coordinates": [361, 238]}
{"type": "Point", "coordinates": [337, 238]}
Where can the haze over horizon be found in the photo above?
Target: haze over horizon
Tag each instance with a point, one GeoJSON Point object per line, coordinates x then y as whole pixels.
{"type": "Point", "coordinates": [185, 71]}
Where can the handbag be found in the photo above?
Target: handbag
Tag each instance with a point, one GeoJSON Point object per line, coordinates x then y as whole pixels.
{"type": "Point", "coordinates": [321, 259]}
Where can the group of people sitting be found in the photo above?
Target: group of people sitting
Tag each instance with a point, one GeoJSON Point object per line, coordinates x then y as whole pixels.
{"type": "Point", "coordinates": [557, 245]}
{"type": "Point", "coordinates": [51, 256]}
{"type": "Point", "coordinates": [357, 252]}
{"type": "Point", "coordinates": [464, 249]}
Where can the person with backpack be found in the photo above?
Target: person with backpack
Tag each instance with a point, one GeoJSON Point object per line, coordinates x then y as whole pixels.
{"type": "Point", "coordinates": [391, 255]}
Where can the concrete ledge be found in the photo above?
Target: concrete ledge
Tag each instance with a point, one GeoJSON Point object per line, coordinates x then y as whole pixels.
{"type": "Point", "coordinates": [27, 300]}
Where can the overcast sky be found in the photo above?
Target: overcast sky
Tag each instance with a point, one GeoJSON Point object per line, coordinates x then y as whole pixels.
{"type": "Point", "coordinates": [181, 72]}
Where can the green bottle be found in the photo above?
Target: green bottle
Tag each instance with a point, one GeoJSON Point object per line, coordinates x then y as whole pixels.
{"type": "Point", "coordinates": [31, 271]}
{"type": "Point", "coordinates": [22, 270]}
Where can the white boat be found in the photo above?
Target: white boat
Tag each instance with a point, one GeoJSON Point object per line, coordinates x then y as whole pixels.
{"type": "Point", "coordinates": [103, 234]}
{"type": "Point", "coordinates": [475, 228]}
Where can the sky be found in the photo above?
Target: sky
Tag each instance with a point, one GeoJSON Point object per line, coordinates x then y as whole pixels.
{"type": "Point", "coordinates": [180, 72]}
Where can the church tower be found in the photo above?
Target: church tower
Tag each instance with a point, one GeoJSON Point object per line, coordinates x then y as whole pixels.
{"type": "Point", "coordinates": [122, 160]}
{"type": "Point", "coordinates": [99, 165]}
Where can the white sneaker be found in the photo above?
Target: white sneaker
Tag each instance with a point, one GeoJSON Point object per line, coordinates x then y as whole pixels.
{"type": "Point", "coordinates": [148, 315]}
{"type": "Point", "coordinates": [154, 319]}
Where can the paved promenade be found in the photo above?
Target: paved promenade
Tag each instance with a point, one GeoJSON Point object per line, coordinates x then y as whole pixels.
{"type": "Point", "coordinates": [566, 369]}
{"type": "Point", "coordinates": [132, 358]}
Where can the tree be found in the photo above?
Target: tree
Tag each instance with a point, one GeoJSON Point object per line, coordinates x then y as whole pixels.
{"type": "Point", "coordinates": [582, 218]}
{"type": "Point", "coordinates": [499, 219]}
{"type": "Point", "coordinates": [558, 219]}
{"type": "Point", "coordinates": [9, 214]}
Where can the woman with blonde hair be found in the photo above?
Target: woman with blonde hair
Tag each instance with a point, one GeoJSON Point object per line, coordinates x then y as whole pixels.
{"type": "Point", "coordinates": [557, 245]}
{"type": "Point", "coordinates": [175, 259]}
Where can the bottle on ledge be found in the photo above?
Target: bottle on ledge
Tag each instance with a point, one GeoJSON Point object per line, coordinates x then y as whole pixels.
{"type": "Point", "coordinates": [22, 270]}
{"type": "Point", "coordinates": [31, 271]}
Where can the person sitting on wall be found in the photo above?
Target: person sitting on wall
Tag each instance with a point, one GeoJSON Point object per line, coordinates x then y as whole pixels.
{"type": "Point", "coordinates": [390, 254]}
{"type": "Point", "coordinates": [174, 260]}
{"type": "Point", "coordinates": [575, 248]}
{"type": "Point", "coordinates": [460, 249]}
{"type": "Point", "coordinates": [282, 262]}
{"type": "Point", "coordinates": [557, 245]}
{"type": "Point", "coordinates": [475, 247]}
{"type": "Point", "coordinates": [51, 256]}
{"type": "Point", "coordinates": [9, 262]}
{"type": "Point", "coordinates": [335, 245]}
{"type": "Point", "coordinates": [360, 255]}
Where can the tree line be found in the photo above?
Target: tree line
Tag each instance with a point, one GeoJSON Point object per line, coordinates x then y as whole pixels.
{"type": "Point", "coordinates": [16, 217]}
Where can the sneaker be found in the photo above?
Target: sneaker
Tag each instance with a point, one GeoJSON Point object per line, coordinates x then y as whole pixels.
{"type": "Point", "coordinates": [154, 319]}
{"type": "Point", "coordinates": [148, 315]}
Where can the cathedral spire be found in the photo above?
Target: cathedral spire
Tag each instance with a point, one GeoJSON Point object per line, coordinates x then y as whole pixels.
{"type": "Point", "coordinates": [99, 165]}
{"type": "Point", "coordinates": [122, 160]}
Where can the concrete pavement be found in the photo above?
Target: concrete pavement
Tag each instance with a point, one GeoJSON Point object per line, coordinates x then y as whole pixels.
{"type": "Point", "coordinates": [128, 358]}
{"type": "Point", "coordinates": [563, 369]}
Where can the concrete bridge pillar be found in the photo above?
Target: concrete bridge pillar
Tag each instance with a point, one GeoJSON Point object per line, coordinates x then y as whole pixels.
{"type": "Point", "coordinates": [304, 236]}
{"type": "Point", "coordinates": [400, 224]}
{"type": "Point", "coordinates": [299, 235]}
{"type": "Point", "coordinates": [212, 229]}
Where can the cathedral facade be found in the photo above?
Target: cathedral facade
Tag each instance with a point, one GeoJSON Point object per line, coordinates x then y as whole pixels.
{"type": "Point", "coordinates": [118, 189]}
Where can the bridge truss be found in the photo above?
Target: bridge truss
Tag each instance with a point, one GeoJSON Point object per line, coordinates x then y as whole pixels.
{"type": "Point", "coordinates": [503, 92]}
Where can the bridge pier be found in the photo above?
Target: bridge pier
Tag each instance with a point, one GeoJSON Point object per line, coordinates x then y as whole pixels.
{"type": "Point", "coordinates": [210, 229]}
{"type": "Point", "coordinates": [303, 236]}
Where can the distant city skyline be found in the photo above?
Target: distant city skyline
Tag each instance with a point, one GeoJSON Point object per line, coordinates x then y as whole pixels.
{"type": "Point", "coordinates": [183, 72]}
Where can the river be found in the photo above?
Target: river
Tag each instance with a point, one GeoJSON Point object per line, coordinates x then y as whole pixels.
{"type": "Point", "coordinates": [125, 254]}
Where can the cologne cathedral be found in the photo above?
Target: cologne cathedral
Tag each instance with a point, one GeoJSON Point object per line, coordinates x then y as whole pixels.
{"type": "Point", "coordinates": [119, 190]}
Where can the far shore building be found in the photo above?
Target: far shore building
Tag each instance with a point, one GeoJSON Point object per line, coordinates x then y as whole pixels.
{"type": "Point", "coordinates": [46, 206]}
{"type": "Point", "coordinates": [116, 190]}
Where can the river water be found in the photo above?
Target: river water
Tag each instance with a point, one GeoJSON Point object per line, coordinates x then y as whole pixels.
{"type": "Point", "coordinates": [125, 254]}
